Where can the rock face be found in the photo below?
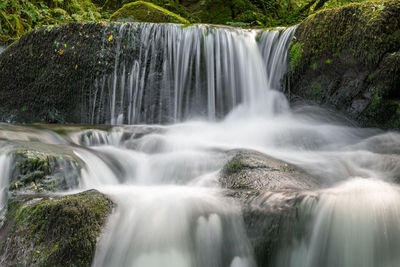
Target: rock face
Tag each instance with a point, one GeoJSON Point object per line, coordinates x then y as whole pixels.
{"type": "Point", "coordinates": [349, 59]}
{"type": "Point", "coordinates": [146, 12]}
{"type": "Point", "coordinates": [53, 231]}
{"type": "Point", "coordinates": [270, 192]}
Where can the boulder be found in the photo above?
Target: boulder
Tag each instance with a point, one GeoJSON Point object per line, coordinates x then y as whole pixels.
{"type": "Point", "coordinates": [53, 230]}
{"type": "Point", "coordinates": [270, 192]}
{"type": "Point", "coordinates": [44, 75]}
{"type": "Point", "coordinates": [142, 11]}
{"type": "Point", "coordinates": [252, 170]}
{"type": "Point", "coordinates": [348, 59]}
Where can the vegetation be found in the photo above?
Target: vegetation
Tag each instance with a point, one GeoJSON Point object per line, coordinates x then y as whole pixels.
{"type": "Point", "coordinates": [349, 60]}
{"type": "Point", "coordinates": [20, 16]}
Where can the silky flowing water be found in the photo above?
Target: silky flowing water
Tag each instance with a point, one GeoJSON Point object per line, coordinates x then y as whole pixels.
{"type": "Point", "coordinates": [217, 89]}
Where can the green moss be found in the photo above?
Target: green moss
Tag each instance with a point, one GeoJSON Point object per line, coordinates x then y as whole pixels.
{"type": "Point", "coordinates": [314, 91]}
{"type": "Point", "coordinates": [314, 65]}
{"type": "Point", "coordinates": [146, 12]}
{"type": "Point", "coordinates": [31, 172]}
{"type": "Point", "coordinates": [295, 53]}
{"type": "Point", "coordinates": [20, 16]}
{"type": "Point", "coordinates": [367, 29]}
{"type": "Point", "coordinates": [234, 166]}
{"type": "Point", "coordinates": [55, 230]}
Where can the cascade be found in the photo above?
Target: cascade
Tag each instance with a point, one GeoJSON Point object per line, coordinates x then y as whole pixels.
{"type": "Point", "coordinates": [186, 96]}
{"type": "Point", "coordinates": [167, 73]}
{"type": "Point", "coordinates": [355, 223]}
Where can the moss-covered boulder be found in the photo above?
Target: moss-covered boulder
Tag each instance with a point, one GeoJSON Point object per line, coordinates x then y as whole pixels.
{"type": "Point", "coordinates": [53, 231]}
{"type": "Point", "coordinates": [48, 73]}
{"type": "Point", "coordinates": [146, 12]}
{"type": "Point", "coordinates": [349, 59]}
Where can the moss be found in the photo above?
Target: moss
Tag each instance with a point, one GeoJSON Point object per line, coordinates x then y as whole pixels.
{"type": "Point", "coordinates": [295, 53]}
{"type": "Point", "coordinates": [356, 48]}
{"type": "Point", "coordinates": [234, 166]}
{"type": "Point", "coordinates": [146, 12]}
{"type": "Point", "coordinates": [314, 91]}
{"type": "Point", "coordinates": [31, 172]}
{"type": "Point", "coordinates": [43, 171]}
{"type": "Point", "coordinates": [55, 231]}
{"type": "Point", "coordinates": [18, 17]}
{"type": "Point", "coordinates": [368, 29]}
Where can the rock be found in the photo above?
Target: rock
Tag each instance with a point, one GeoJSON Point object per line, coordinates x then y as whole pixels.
{"type": "Point", "coordinates": [269, 191]}
{"type": "Point", "coordinates": [53, 231]}
{"type": "Point", "coordinates": [36, 171]}
{"type": "Point", "coordinates": [348, 59]}
{"type": "Point", "coordinates": [56, 63]}
{"type": "Point", "coordinates": [142, 11]}
{"type": "Point", "coordinates": [252, 170]}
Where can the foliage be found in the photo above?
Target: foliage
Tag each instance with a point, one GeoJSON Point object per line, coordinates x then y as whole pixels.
{"type": "Point", "coordinates": [20, 16]}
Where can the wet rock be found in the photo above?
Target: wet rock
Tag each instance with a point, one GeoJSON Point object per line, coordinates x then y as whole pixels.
{"type": "Point", "coordinates": [348, 59]}
{"type": "Point", "coordinates": [252, 170]}
{"type": "Point", "coordinates": [53, 230]}
{"type": "Point", "coordinates": [269, 191]}
{"type": "Point", "coordinates": [35, 171]}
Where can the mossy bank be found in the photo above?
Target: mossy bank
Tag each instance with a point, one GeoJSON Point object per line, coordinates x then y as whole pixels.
{"type": "Point", "coordinates": [147, 12]}
{"type": "Point", "coordinates": [349, 59]}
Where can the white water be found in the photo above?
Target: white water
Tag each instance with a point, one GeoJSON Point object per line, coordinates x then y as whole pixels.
{"type": "Point", "coordinates": [5, 172]}
{"type": "Point", "coordinates": [170, 211]}
{"type": "Point", "coordinates": [173, 74]}
{"type": "Point", "coordinates": [355, 223]}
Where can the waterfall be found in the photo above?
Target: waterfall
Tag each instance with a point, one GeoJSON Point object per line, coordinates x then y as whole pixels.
{"type": "Point", "coordinates": [187, 97]}
{"type": "Point", "coordinates": [5, 173]}
{"type": "Point", "coordinates": [166, 73]}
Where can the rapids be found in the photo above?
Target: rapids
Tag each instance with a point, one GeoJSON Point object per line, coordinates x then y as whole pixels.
{"type": "Point", "coordinates": [218, 88]}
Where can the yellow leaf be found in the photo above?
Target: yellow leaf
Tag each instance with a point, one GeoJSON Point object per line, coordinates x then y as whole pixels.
{"type": "Point", "coordinates": [109, 38]}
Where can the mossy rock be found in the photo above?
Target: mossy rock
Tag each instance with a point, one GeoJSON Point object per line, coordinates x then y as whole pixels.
{"type": "Point", "coordinates": [54, 231]}
{"type": "Point", "coordinates": [346, 59]}
{"type": "Point", "coordinates": [35, 171]}
{"type": "Point", "coordinates": [252, 170]}
{"type": "Point", "coordinates": [269, 191]}
{"type": "Point", "coordinates": [146, 12]}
